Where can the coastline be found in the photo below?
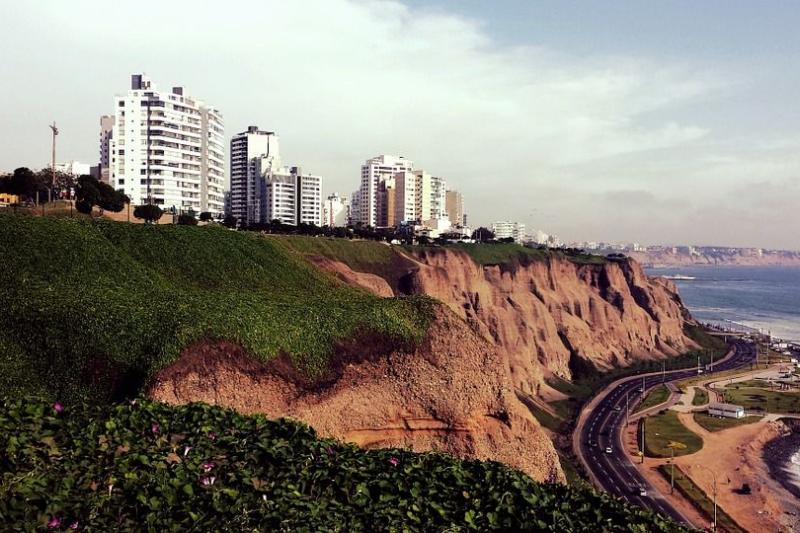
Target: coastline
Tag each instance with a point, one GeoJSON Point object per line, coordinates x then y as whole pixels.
{"type": "Point", "coordinates": [778, 454]}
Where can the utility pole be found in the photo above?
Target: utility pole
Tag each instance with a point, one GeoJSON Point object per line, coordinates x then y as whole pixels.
{"type": "Point", "coordinates": [714, 488]}
{"type": "Point", "coordinates": [644, 418]}
{"type": "Point", "coordinates": [642, 388]}
{"type": "Point", "coordinates": [672, 471]}
{"type": "Point", "coordinates": [53, 168]}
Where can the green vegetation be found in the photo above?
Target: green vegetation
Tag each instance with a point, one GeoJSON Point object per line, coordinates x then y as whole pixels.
{"type": "Point", "coordinates": [754, 395]}
{"type": "Point", "coordinates": [663, 428]}
{"type": "Point", "coordinates": [507, 254]}
{"type": "Point", "coordinates": [717, 423]}
{"type": "Point", "coordinates": [701, 501]}
{"type": "Point", "coordinates": [656, 396]}
{"type": "Point", "coordinates": [362, 256]}
{"type": "Point", "coordinates": [700, 396]}
{"type": "Point", "coordinates": [92, 308]}
{"type": "Point", "coordinates": [148, 466]}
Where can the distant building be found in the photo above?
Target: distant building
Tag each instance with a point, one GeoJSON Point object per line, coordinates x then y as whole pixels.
{"type": "Point", "coordinates": [727, 410]}
{"type": "Point", "coordinates": [252, 152]}
{"type": "Point", "coordinates": [74, 168]}
{"type": "Point", "coordinates": [168, 148]}
{"type": "Point", "coordinates": [335, 211]}
{"type": "Point", "coordinates": [373, 172]}
{"type": "Point", "coordinates": [106, 146]}
{"type": "Point", "coordinates": [292, 197]}
{"type": "Point", "coordinates": [454, 202]}
{"type": "Point", "coordinates": [504, 230]}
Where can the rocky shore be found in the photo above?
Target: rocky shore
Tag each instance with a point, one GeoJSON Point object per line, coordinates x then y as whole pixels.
{"type": "Point", "coordinates": [782, 457]}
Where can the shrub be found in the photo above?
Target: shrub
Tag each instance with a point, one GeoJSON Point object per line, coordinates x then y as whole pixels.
{"type": "Point", "coordinates": [149, 466]}
{"type": "Point", "coordinates": [187, 220]}
{"type": "Point", "coordinates": [148, 212]}
{"type": "Point", "coordinates": [205, 216]}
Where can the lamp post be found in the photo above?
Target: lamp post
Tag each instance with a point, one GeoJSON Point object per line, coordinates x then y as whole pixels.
{"type": "Point", "coordinates": [714, 488]}
{"type": "Point", "coordinates": [53, 168]}
{"type": "Point", "coordinates": [672, 446]}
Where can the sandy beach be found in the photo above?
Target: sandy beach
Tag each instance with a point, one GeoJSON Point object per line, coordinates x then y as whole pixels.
{"type": "Point", "coordinates": [736, 456]}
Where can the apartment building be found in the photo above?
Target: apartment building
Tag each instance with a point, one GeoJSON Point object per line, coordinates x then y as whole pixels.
{"type": "Point", "coordinates": [167, 148]}
{"type": "Point", "coordinates": [336, 211]}
{"type": "Point", "coordinates": [454, 205]}
{"type": "Point", "coordinates": [504, 230]}
{"type": "Point", "coordinates": [253, 153]}
{"type": "Point", "coordinates": [106, 138]}
{"type": "Point", "coordinates": [373, 172]}
{"type": "Point", "coordinates": [292, 197]}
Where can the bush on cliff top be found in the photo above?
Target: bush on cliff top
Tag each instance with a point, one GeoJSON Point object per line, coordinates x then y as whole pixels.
{"type": "Point", "coordinates": [148, 466]}
{"type": "Point", "coordinates": [92, 308]}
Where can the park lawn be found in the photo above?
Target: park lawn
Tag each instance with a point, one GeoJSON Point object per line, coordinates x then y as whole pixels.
{"type": "Point", "coordinates": [663, 428]}
{"type": "Point", "coordinates": [700, 396]}
{"type": "Point", "coordinates": [700, 499]}
{"type": "Point", "coordinates": [763, 399]}
{"type": "Point", "coordinates": [655, 396]}
{"type": "Point", "coordinates": [718, 423]}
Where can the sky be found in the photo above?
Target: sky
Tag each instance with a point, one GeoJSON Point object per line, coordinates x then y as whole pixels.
{"type": "Point", "coordinates": [670, 122]}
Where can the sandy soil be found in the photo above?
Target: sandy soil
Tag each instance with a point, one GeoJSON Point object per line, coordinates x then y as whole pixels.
{"type": "Point", "coordinates": [735, 456]}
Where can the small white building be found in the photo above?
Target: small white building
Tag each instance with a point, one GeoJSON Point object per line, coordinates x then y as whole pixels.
{"type": "Point", "coordinates": [727, 410]}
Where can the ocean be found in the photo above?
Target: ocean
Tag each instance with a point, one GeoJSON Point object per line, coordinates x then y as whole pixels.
{"type": "Point", "coordinates": [766, 298]}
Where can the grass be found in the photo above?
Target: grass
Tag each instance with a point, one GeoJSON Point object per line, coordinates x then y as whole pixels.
{"type": "Point", "coordinates": [700, 396]}
{"type": "Point", "coordinates": [717, 423]}
{"type": "Point", "coordinates": [153, 467]}
{"type": "Point", "coordinates": [509, 254]}
{"type": "Point", "coordinates": [760, 398]}
{"type": "Point", "coordinates": [700, 499]}
{"type": "Point", "coordinates": [656, 396]}
{"type": "Point", "coordinates": [362, 256]}
{"type": "Point", "coordinates": [92, 307]}
{"type": "Point", "coordinates": [663, 428]}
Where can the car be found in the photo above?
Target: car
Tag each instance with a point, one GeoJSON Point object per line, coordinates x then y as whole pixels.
{"type": "Point", "coordinates": [642, 492]}
{"type": "Point", "coordinates": [609, 450]}
{"type": "Point", "coordinates": [592, 444]}
{"type": "Point", "coordinates": [618, 408]}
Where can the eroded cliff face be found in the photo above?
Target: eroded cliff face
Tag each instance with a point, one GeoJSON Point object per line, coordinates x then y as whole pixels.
{"type": "Point", "coordinates": [555, 316]}
{"type": "Point", "coordinates": [452, 394]}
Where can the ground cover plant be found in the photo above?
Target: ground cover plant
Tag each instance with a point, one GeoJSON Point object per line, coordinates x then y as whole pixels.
{"type": "Point", "coordinates": [718, 423]}
{"type": "Point", "coordinates": [700, 396]}
{"type": "Point", "coordinates": [758, 396]}
{"type": "Point", "coordinates": [148, 466]}
{"type": "Point", "coordinates": [656, 396]}
{"type": "Point", "coordinates": [92, 308]}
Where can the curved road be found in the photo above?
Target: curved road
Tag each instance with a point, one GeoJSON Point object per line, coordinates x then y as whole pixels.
{"type": "Point", "coordinates": [615, 472]}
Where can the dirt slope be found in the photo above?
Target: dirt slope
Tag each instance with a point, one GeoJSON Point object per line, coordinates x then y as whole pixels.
{"type": "Point", "coordinates": [451, 394]}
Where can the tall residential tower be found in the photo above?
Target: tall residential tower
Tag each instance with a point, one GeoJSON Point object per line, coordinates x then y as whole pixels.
{"type": "Point", "coordinates": [168, 149]}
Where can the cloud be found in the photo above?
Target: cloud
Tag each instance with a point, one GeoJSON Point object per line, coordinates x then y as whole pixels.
{"type": "Point", "coordinates": [342, 80]}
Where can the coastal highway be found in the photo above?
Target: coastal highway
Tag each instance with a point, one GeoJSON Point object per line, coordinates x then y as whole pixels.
{"type": "Point", "coordinates": [601, 427]}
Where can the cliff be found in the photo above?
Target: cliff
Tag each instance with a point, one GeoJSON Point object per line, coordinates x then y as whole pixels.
{"type": "Point", "coordinates": [451, 394]}
{"type": "Point", "coordinates": [554, 316]}
{"type": "Point", "coordinates": [708, 256]}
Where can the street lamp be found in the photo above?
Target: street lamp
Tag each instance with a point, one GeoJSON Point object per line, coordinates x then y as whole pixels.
{"type": "Point", "coordinates": [672, 446]}
{"type": "Point", "coordinates": [714, 477]}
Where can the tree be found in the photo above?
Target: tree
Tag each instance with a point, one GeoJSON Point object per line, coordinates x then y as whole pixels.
{"type": "Point", "coordinates": [483, 234]}
{"type": "Point", "coordinates": [205, 216]}
{"type": "Point", "coordinates": [148, 212]}
{"type": "Point", "coordinates": [229, 221]}
{"type": "Point", "coordinates": [185, 219]}
{"type": "Point", "coordinates": [89, 191]}
{"type": "Point", "coordinates": [26, 183]}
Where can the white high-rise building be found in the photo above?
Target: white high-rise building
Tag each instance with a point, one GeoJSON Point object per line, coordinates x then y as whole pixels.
{"type": "Point", "coordinates": [504, 230]}
{"type": "Point", "coordinates": [374, 171]}
{"type": "Point", "coordinates": [168, 149]}
{"type": "Point", "coordinates": [252, 153]}
{"type": "Point", "coordinates": [335, 211]}
{"type": "Point", "coordinates": [292, 197]}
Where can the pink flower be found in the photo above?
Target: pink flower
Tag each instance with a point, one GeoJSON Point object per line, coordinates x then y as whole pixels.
{"type": "Point", "coordinates": [54, 523]}
{"type": "Point", "coordinates": [154, 428]}
{"type": "Point", "coordinates": [74, 525]}
{"type": "Point", "coordinates": [394, 461]}
{"type": "Point", "coordinates": [58, 408]}
{"type": "Point", "coordinates": [212, 436]}
{"type": "Point", "coordinates": [207, 481]}
{"type": "Point", "coordinates": [208, 467]}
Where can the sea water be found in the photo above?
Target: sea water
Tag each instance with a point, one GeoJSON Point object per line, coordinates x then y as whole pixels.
{"type": "Point", "coordinates": [766, 298]}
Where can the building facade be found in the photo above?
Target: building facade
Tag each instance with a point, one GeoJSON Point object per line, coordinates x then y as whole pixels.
{"type": "Point", "coordinates": [373, 172]}
{"type": "Point", "coordinates": [292, 197]}
{"type": "Point", "coordinates": [106, 145]}
{"type": "Point", "coordinates": [454, 205]}
{"type": "Point", "coordinates": [252, 153]}
{"type": "Point", "coordinates": [505, 230]}
{"type": "Point", "coordinates": [336, 211]}
{"type": "Point", "coordinates": [167, 148]}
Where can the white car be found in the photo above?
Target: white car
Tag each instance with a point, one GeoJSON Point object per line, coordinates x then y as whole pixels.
{"type": "Point", "coordinates": [609, 450]}
{"type": "Point", "coordinates": [642, 492]}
